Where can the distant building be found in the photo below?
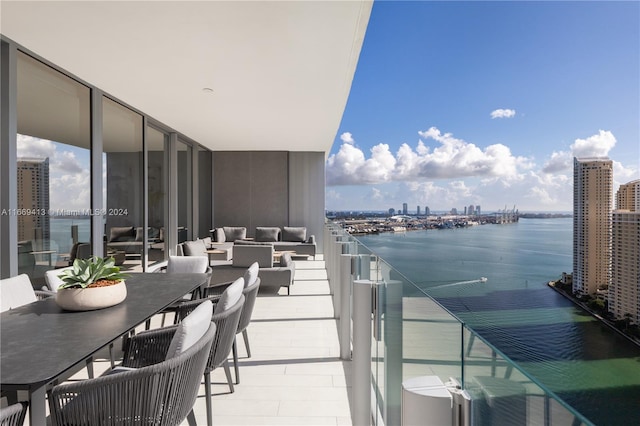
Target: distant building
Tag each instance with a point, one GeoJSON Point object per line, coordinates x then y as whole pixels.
{"type": "Point", "coordinates": [624, 290]}
{"type": "Point", "coordinates": [454, 211]}
{"type": "Point", "coordinates": [592, 203]}
{"type": "Point", "coordinates": [405, 209]}
{"type": "Point", "coordinates": [392, 211]}
{"type": "Point", "coordinates": [465, 210]}
{"type": "Point", "coordinates": [471, 210]}
{"type": "Point", "coordinates": [427, 211]}
{"type": "Point", "coordinates": [628, 196]}
{"type": "Point", "coordinates": [478, 210]}
{"type": "Point", "coordinates": [33, 195]}
{"type": "Point", "coordinates": [418, 211]}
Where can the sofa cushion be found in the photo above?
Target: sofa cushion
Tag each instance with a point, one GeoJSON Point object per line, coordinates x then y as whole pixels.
{"type": "Point", "coordinates": [121, 233]}
{"type": "Point", "coordinates": [218, 235]}
{"type": "Point", "coordinates": [294, 233]}
{"type": "Point", "coordinates": [267, 233]}
{"type": "Point", "coordinates": [194, 248]}
{"type": "Point", "coordinates": [245, 255]}
{"type": "Point", "coordinates": [191, 329]}
{"type": "Point", "coordinates": [252, 243]}
{"type": "Point", "coordinates": [251, 274]}
{"type": "Point", "coordinates": [285, 260]}
{"type": "Point", "coordinates": [232, 233]}
{"type": "Point", "coordinates": [230, 296]}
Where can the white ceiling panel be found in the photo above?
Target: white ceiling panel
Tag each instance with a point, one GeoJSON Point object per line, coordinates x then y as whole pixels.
{"type": "Point", "coordinates": [280, 72]}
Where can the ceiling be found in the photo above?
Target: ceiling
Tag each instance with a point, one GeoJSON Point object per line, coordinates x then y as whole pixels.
{"type": "Point", "coordinates": [279, 72]}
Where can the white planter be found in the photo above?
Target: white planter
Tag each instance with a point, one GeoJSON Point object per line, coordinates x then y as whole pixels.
{"type": "Point", "coordinates": [88, 299]}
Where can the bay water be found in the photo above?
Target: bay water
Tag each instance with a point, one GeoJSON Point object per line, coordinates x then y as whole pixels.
{"type": "Point", "coordinates": [590, 366]}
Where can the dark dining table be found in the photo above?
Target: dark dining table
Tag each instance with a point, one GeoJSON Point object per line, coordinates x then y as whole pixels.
{"type": "Point", "coordinates": [40, 343]}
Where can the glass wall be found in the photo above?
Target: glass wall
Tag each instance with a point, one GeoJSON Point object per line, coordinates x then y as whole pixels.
{"type": "Point", "coordinates": [53, 168]}
{"type": "Point", "coordinates": [185, 191]}
{"type": "Point", "coordinates": [123, 192]}
{"type": "Point", "coordinates": [157, 144]}
{"type": "Point", "coordinates": [205, 192]}
{"type": "Point", "coordinates": [56, 172]}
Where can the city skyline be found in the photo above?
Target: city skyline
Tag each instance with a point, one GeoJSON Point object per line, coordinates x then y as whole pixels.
{"type": "Point", "coordinates": [487, 103]}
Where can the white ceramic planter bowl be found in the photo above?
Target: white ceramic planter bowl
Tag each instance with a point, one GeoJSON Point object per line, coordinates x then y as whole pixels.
{"type": "Point", "coordinates": [88, 299]}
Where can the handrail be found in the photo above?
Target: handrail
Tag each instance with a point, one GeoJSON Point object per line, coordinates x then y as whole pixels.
{"type": "Point", "coordinates": [381, 264]}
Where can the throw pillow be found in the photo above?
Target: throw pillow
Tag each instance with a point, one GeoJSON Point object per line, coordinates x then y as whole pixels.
{"type": "Point", "coordinates": [267, 234]}
{"type": "Point", "coordinates": [191, 329]}
{"type": "Point", "coordinates": [218, 235]}
{"type": "Point", "coordinates": [251, 274]}
{"type": "Point", "coordinates": [297, 234]}
{"type": "Point", "coordinates": [194, 248]}
{"type": "Point", "coordinates": [232, 233]}
{"type": "Point", "coordinates": [230, 296]}
{"type": "Point", "coordinates": [121, 233]}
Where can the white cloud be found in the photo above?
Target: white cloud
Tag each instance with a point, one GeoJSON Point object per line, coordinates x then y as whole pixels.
{"type": "Point", "coordinates": [594, 146]}
{"type": "Point", "coordinates": [31, 147]}
{"type": "Point", "coordinates": [559, 162]}
{"type": "Point", "coordinates": [597, 145]}
{"type": "Point", "coordinates": [503, 113]}
{"type": "Point", "coordinates": [70, 191]}
{"type": "Point", "coordinates": [347, 138]}
{"type": "Point", "coordinates": [452, 158]}
{"type": "Point", "coordinates": [67, 163]}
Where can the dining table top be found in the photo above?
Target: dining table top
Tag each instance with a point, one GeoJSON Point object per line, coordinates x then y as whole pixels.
{"type": "Point", "coordinates": [40, 342]}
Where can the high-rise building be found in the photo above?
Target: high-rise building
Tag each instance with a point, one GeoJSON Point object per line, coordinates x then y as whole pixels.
{"type": "Point", "coordinates": [427, 211]}
{"type": "Point", "coordinates": [478, 210]}
{"type": "Point", "coordinates": [628, 196]}
{"type": "Point", "coordinates": [454, 211]}
{"type": "Point", "coordinates": [465, 210]}
{"type": "Point", "coordinates": [471, 210]}
{"type": "Point", "coordinates": [592, 203]}
{"type": "Point", "coordinates": [405, 208]}
{"type": "Point", "coordinates": [624, 290]}
{"type": "Point", "coordinates": [418, 211]}
{"type": "Point", "coordinates": [33, 199]}
{"type": "Point", "coordinates": [392, 211]}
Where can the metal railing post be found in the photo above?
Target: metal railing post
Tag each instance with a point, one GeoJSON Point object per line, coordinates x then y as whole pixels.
{"type": "Point", "coordinates": [345, 306]}
{"type": "Point", "coordinates": [342, 249]}
{"type": "Point", "coordinates": [361, 378]}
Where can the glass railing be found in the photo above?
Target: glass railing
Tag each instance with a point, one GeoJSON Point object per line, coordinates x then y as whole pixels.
{"type": "Point", "coordinates": [417, 343]}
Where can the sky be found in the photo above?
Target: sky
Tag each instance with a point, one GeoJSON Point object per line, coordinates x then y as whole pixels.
{"type": "Point", "coordinates": [487, 103]}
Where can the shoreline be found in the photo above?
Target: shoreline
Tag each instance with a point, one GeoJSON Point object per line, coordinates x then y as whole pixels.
{"type": "Point", "coordinates": [594, 314]}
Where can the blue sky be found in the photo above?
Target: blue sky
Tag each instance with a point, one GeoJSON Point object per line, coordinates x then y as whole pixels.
{"type": "Point", "coordinates": [458, 103]}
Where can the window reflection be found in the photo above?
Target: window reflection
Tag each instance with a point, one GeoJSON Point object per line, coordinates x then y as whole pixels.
{"type": "Point", "coordinates": [185, 229]}
{"type": "Point", "coordinates": [122, 180]}
{"type": "Point", "coordinates": [157, 183]}
{"type": "Point", "coordinates": [53, 168]}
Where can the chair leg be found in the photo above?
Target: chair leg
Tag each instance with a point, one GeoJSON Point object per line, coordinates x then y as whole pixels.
{"type": "Point", "coordinates": [89, 362]}
{"type": "Point", "coordinates": [227, 372]}
{"type": "Point", "coordinates": [236, 370]}
{"type": "Point", "coordinates": [207, 392]}
{"type": "Point", "coordinates": [245, 336]}
{"type": "Point", "coordinates": [191, 418]}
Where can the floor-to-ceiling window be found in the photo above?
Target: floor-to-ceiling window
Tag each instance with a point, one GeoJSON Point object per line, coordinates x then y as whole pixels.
{"type": "Point", "coordinates": [185, 199]}
{"type": "Point", "coordinates": [53, 168]}
{"type": "Point", "coordinates": [205, 192]}
{"type": "Point", "coordinates": [123, 191]}
{"type": "Point", "coordinates": [78, 176]}
{"type": "Point", "coordinates": [157, 143]}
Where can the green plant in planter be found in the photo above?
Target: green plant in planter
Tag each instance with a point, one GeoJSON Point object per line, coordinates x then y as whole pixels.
{"type": "Point", "coordinates": [89, 271]}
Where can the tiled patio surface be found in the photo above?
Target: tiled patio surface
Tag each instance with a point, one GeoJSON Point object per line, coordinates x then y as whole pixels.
{"type": "Point", "coordinates": [295, 375]}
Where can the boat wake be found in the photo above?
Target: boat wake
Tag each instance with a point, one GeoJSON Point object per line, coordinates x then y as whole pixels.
{"type": "Point", "coordinates": [479, 280]}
